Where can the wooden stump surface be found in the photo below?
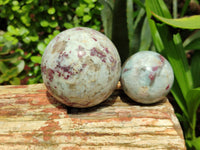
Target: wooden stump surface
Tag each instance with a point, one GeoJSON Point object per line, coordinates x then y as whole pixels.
{"type": "Point", "coordinates": [30, 118]}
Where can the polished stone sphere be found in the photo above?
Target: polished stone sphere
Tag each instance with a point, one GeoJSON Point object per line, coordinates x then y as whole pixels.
{"type": "Point", "coordinates": [147, 77]}
{"type": "Point", "coordinates": [81, 67]}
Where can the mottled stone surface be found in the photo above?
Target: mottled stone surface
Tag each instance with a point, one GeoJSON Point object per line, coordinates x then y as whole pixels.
{"type": "Point", "coordinates": [30, 118]}
{"type": "Point", "coordinates": [147, 77]}
{"type": "Point", "coordinates": [81, 67]}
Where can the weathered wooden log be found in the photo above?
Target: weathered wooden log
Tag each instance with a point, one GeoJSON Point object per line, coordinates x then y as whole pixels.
{"type": "Point", "coordinates": [30, 118]}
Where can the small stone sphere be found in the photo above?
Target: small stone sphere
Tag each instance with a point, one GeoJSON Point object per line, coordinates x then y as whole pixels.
{"type": "Point", "coordinates": [147, 77]}
{"type": "Point", "coordinates": [80, 67]}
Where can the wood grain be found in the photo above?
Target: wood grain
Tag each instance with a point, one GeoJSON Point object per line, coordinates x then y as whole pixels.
{"type": "Point", "coordinates": [30, 118]}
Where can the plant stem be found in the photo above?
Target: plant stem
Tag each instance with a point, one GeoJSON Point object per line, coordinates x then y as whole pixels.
{"type": "Point", "coordinates": [175, 9]}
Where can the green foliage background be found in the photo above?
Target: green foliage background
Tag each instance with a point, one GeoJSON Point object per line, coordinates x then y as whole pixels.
{"type": "Point", "coordinates": [27, 26]}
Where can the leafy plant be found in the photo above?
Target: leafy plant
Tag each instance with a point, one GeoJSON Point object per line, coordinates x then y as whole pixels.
{"type": "Point", "coordinates": [153, 16]}
{"type": "Point", "coordinates": [11, 65]}
{"type": "Point", "coordinates": [31, 24]}
{"type": "Point", "coordinates": [185, 92]}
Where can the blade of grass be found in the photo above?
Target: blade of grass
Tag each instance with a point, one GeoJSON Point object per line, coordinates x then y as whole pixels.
{"type": "Point", "coordinates": [192, 22]}
{"type": "Point", "coordinates": [170, 45]}
{"type": "Point", "coordinates": [176, 92]}
{"type": "Point", "coordinates": [193, 103]}
{"type": "Point", "coordinates": [146, 38]}
{"type": "Point", "coordinates": [191, 38]}
{"type": "Point", "coordinates": [196, 143]}
{"type": "Point", "coordinates": [154, 32]}
{"type": "Point", "coordinates": [184, 9]}
{"type": "Point", "coordinates": [194, 45]}
{"type": "Point", "coordinates": [138, 24]}
{"type": "Point", "coordinates": [107, 16]}
{"type": "Point", "coordinates": [175, 10]}
{"type": "Point", "coordinates": [140, 3]}
{"type": "Point", "coordinates": [158, 7]}
{"type": "Point", "coordinates": [195, 68]}
{"type": "Point", "coordinates": [174, 51]}
{"type": "Point", "coordinates": [130, 18]}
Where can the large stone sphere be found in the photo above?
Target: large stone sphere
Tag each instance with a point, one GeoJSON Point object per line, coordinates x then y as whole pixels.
{"type": "Point", "coordinates": [147, 77]}
{"type": "Point", "coordinates": [81, 67]}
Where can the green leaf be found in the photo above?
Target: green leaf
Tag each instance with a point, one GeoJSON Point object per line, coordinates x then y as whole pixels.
{"type": "Point", "coordinates": [34, 80]}
{"type": "Point", "coordinates": [193, 102]}
{"type": "Point", "coordinates": [189, 41]}
{"type": "Point", "coordinates": [170, 45]}
{"type": "Point", "coordinates": [3, 67]}
{"type": "Point", "coordinates": [130, 27]}
{"type": "Point", "coordinates": [26, 39]}
{"type": "Point", "coordinates": [68, 25]}
{"type": "Point", "coordinates": [12, 58]}
{"type": "Point", "coordinates": [36, 70]}
{"type": "Point", "coordinates": [180, 100]}
{"type": "Point", "coordinates": [15, 2]}
{"type": "Point", "coordinates": [4, 2]}
{"type": "Point", "coordinates": [15, 8]}
{"type": "Point", "coordinates": [41, 47]}
{"type": "Point", "coordinates": [195, 68]}
{"type": "Point", "coordinates": [26, 20]}
{"type": "Point", "coordinates": [107, 16]}
{"type": "Point", "coordinates": [56, 32]}
{"type": "Point", "coordinates": [86, 18]}
{"type": "Point", "coordinates": [174, 51]}
{"type": "Point", "coordinates": [36, 59]}
{"type": "Point", "coordinates": [90, 1]}
{"type": "Point", "coordinates": [44, 23]}
{"type": "Point", "coordinates": [154, 32]}
{"type": "Point", "coordinates": [11, 28]}
{"type": "Point", "coordinates": [80, 10]}
{"type": "Point", "coordinates": [146, 38]}
{"type": "Point", "coordinates": [140, 3]}
{"type": "Point", "coordinates": [196, 143]}
{"type": "Point", "coordinates": [51, 11]}
{"type": "Point", "coordinates": [194, 45]}
{"type": "Point", "coordinates": [6, 48]}
{"type": "Point", "coordinates": [20, 51]}
{"type": "Point", "coordinates": [158, 7]}
{"type": "Point", "coordinates": [34, 38]}
{"type": "Point", "coordinates": [138, 24]}
{"type": "Point", "coordinates": [15, 81]}
{"type": "Point", "coordinates": [13, 72]}
{"type": "Point", "coordinates": [10, 38]}
{"type": "Point", "coordinates": [27, 56]}
{"type": "Point", "coordinates": [29, 1]}
{"type": "Point", "coordinates": [23, 31]}
{"type": "Point", "coordinates": [11, 17]}
{"type": "Point", "coordinates": [185, 6]}
{"type": "Point", "coordinates": [20, 66]}
{"type": "Point", "coordinates": [53, 24]}
{"type": "Point", "coordinates": [192, 22]}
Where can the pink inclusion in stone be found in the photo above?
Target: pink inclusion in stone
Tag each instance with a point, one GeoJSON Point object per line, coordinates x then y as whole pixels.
{"type": "Point", "coordinates": [99, 54]}
{"type": "Point", "coordinates": [94, 39]}
{"type": "Point", "coordinates": [155, 68]}
{"type": "Point", "coordinates": [151, 77]}
{"type": "Point", "coordinates": [162, 59]}
{"type": "Point", "coordinates": [167, 87]}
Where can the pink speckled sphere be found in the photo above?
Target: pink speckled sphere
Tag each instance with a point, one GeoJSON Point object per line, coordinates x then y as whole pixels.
{"type": "Point", "coordinates": [147, 77]}
{"type": "Point", "coordinates": [81, 67]}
